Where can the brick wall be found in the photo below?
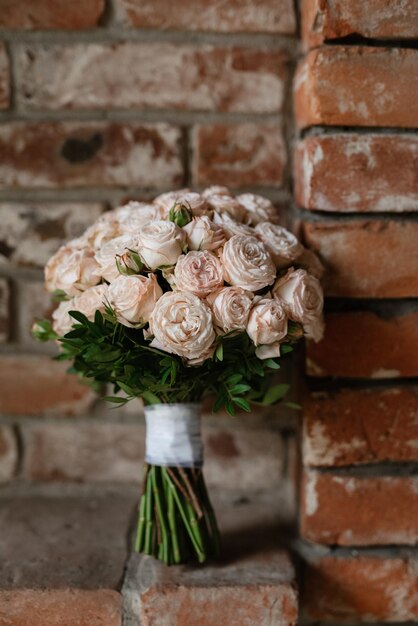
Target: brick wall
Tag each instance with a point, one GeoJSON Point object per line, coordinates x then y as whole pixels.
{"type": "Point", "coordinates": [356, 185]}
{"type": "Point", "coordinates": [101, 102]}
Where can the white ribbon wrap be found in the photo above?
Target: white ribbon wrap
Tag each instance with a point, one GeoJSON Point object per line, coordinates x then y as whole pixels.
{"type": "Point", "coordinates": [173, 435]}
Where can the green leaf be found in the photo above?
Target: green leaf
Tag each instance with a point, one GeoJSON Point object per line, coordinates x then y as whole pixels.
{"type": "Point", "coordinates": [128, 390]}
{"type": "Point", "coordinates": [293, 405]}
{"type": "Point", "coordinates": [115, 399]}
{"type": "Point", "coordinates": [242, 403]}
{"type": "Point", "coordinates": [275, 393]}
{"type": "Point", "coordinates": [219, 354]}
{"type": "Point", "coordinates": [150, 398]}
{"type": "Point", "coordinates": [239, 389]}
{"type": "Point", "coordinates": [285, 348]}
{"type": "Point", "coordinates": [80, 317]}
{"type": "Point", "coordinates": [272, 364]}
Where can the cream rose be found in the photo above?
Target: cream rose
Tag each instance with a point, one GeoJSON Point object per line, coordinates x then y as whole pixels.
{"type": "Point", "coordinates": [182, 324]}
{"type": "Point", "coordinates": [203, 234]}
{"type": "Point", "coordinates": [160, 244]}
{"type": "Point", "coordinates": [310, 262]}
{"type": "Point", "coordinates": [132, 216]}
{"type": "Point", "coordinates": [283, 246]}
{"type": "Point", "coordinates": [247, 263]}
{"type": "Point", "coordinates": [303, 299]}
{"type": "Point", "coordinates": [71, 270]}
{"type": "Point", "coordinates": [62, 322]}
{"type": "Point", "coordinates": [216, 190]}
{"type": "Point", "coordinates": [230, 226]}
{"type": "Point", "coordinates": [106, 256]}
{"type": "Point", "coordinates": [257, 208]}
{"type": "Point", "coordinates": [230, 307]}
{"type": "Point", "coordinates": [92, 300]}
{"type": "Point", "coordinates": [199, 273]}
{"type": "Point", "coordinates": [267, 327]}
{"type": "Point", "coordinates": [229, 205]}
{"type": "Point", "coordinates": [134, 298]}
{"type": "Point", "coordinates": [193, 201]}
{"type": "Point", "coordinates": [103, 230]}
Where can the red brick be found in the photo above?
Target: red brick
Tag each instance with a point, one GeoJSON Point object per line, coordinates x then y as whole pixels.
{"type": "Point", "coordinates": [151, 75]}
{"type": "Point", "coordinates": [357, 86]}
{"type": "Point", "coordinates": [4, 78]}
{"type": "Point", "coordinates": [376, 19]}
{"type": "Point", "coordinates": [4, 310]}
{"type": "Point", "coordinates": [366, 258]}
{"type": "Point", "coordinates": [361, 426]}
{"type": "Point", "coordinates": [64, 607]}
{"type": "Point", "coordinates": [30, 233]}
{"type": "Point", "coordinates": [359, 344]}
{"type": "Point", "coordinates": [88, 154]}
{"type": "Point", "coordinates": [359, 511]}
{"type": "Point", "coordinates": [270, 16]}
{"type": "Point", "coordinates": [35, 385]}
{"type": "Point", "coordinates": [374, 172]}
{"type": "Point", "coordinates": [8, 453]}
{"type": "Point", "coordinates": [239, 155]}
{"type": "Point", "coordinates": [44, 14]}
{"type": "Point", "coordinates": [361, 589]}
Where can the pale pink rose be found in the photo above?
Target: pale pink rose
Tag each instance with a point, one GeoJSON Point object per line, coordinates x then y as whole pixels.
{"type": "Point", "coordinates": [92, 300]}
{"type": "Point", "coordinates": [216, 190]}
{"type": "Point", "coordinates": [258, 209]}
{"type": "Point", "coordinates": [62, 322]}
{"type": "Point", "coordinates": [231, 308]}
{"type": "Point", "coordinates": [227, 204]}
{"type": "Point", "coordinates": [303, 299]}
{"type": "Point", "coordinates": [133, 298]}
{"type": "Point", "coordinates": [310, 262]}
{"type": "Point", "coordinates": [105, 228]}
{"type": "Point", "coordinates": [192, 200]}
{"type": "Point", "coordinates": [203, 234]}
{"type": "Point", "coordinates": [283, 246]}
{"type": "Point", "coordinates": [230, 226]}
{"type": "Point", "coordinates": [132, 216]}
{"type": "Point", "coordinates": [247, 263]}
{"type": "Point", "coordinates": [160, 244]}
{"type": "Point", "coordinates": [198, 272]}
{"type": "Point", "coordinates": [71, 270]}
{"type": "Point", "coordinates": [181, 324]}
{"type": "Point", "coordinates": [267, 327]}
{"type": "Point", "coordinates": [108, 254]}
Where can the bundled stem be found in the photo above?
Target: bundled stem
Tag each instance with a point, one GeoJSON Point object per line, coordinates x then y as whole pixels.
{"type": "Point", "coordinates": [176, 520]}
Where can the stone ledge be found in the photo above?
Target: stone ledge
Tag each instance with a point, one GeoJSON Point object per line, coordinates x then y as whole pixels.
{"type": "Point", "coordinates": [254, 583]}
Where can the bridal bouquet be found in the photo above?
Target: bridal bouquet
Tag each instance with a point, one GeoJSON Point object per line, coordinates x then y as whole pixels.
{"type": "Point", "coordinates": [192, 295]}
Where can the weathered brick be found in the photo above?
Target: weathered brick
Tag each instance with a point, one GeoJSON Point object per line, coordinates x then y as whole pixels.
{"type": "Point", "coordinates": [8, 453]}
{"type": "Point", "coordinates": [239, 155]}
{"type": "Point", "coordinates": [4, 78]}
{"type": "Point", "coordinates": [44, 14]}
{"type": "Point", "coordinates": [36, 385]}
{"type": "Point", "coordinates": [376, 19]}
{"type": "Point", "coordinates": [239, 15]}
{"type": "Point", "coordinates": [360, 344]}
{"type": "Point", "coordinates": [63, 607]}
{"type": "Point", "coordinates": [374, 172]}
{"type": "Point", "coordinates": [253, 584]}
{"type": "Point", "coordinates": [88, 154]}
{"type": "Point", "coordinates": [84, 452]}
{"type": "Point", "coordinates": [357, 86]}
{"type": "Point", "coordinates": [31, 233]}
{"type": "Point", "coordinates": [366, 258]}
{"type": "Point", "coordinates": [151, 75]}
{"type": "Point", "coordinates": [359, 511]}
{"type": "Point", "coordinates": [361, 589]}
{"type": "Point", "coordinates": [4, 310]}
{"type": "Point", "coordinates": [361, 426]}
{"type": "Point", "coordinates": [109, 452]}
{"type": "Point", "coordinates": [81, 531]}
{"type": "Point", "coordinates": [34, 303]}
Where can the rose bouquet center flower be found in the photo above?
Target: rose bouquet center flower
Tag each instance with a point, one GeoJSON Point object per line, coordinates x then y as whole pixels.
{"type": "Point", "coordinates": [192, 296]}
